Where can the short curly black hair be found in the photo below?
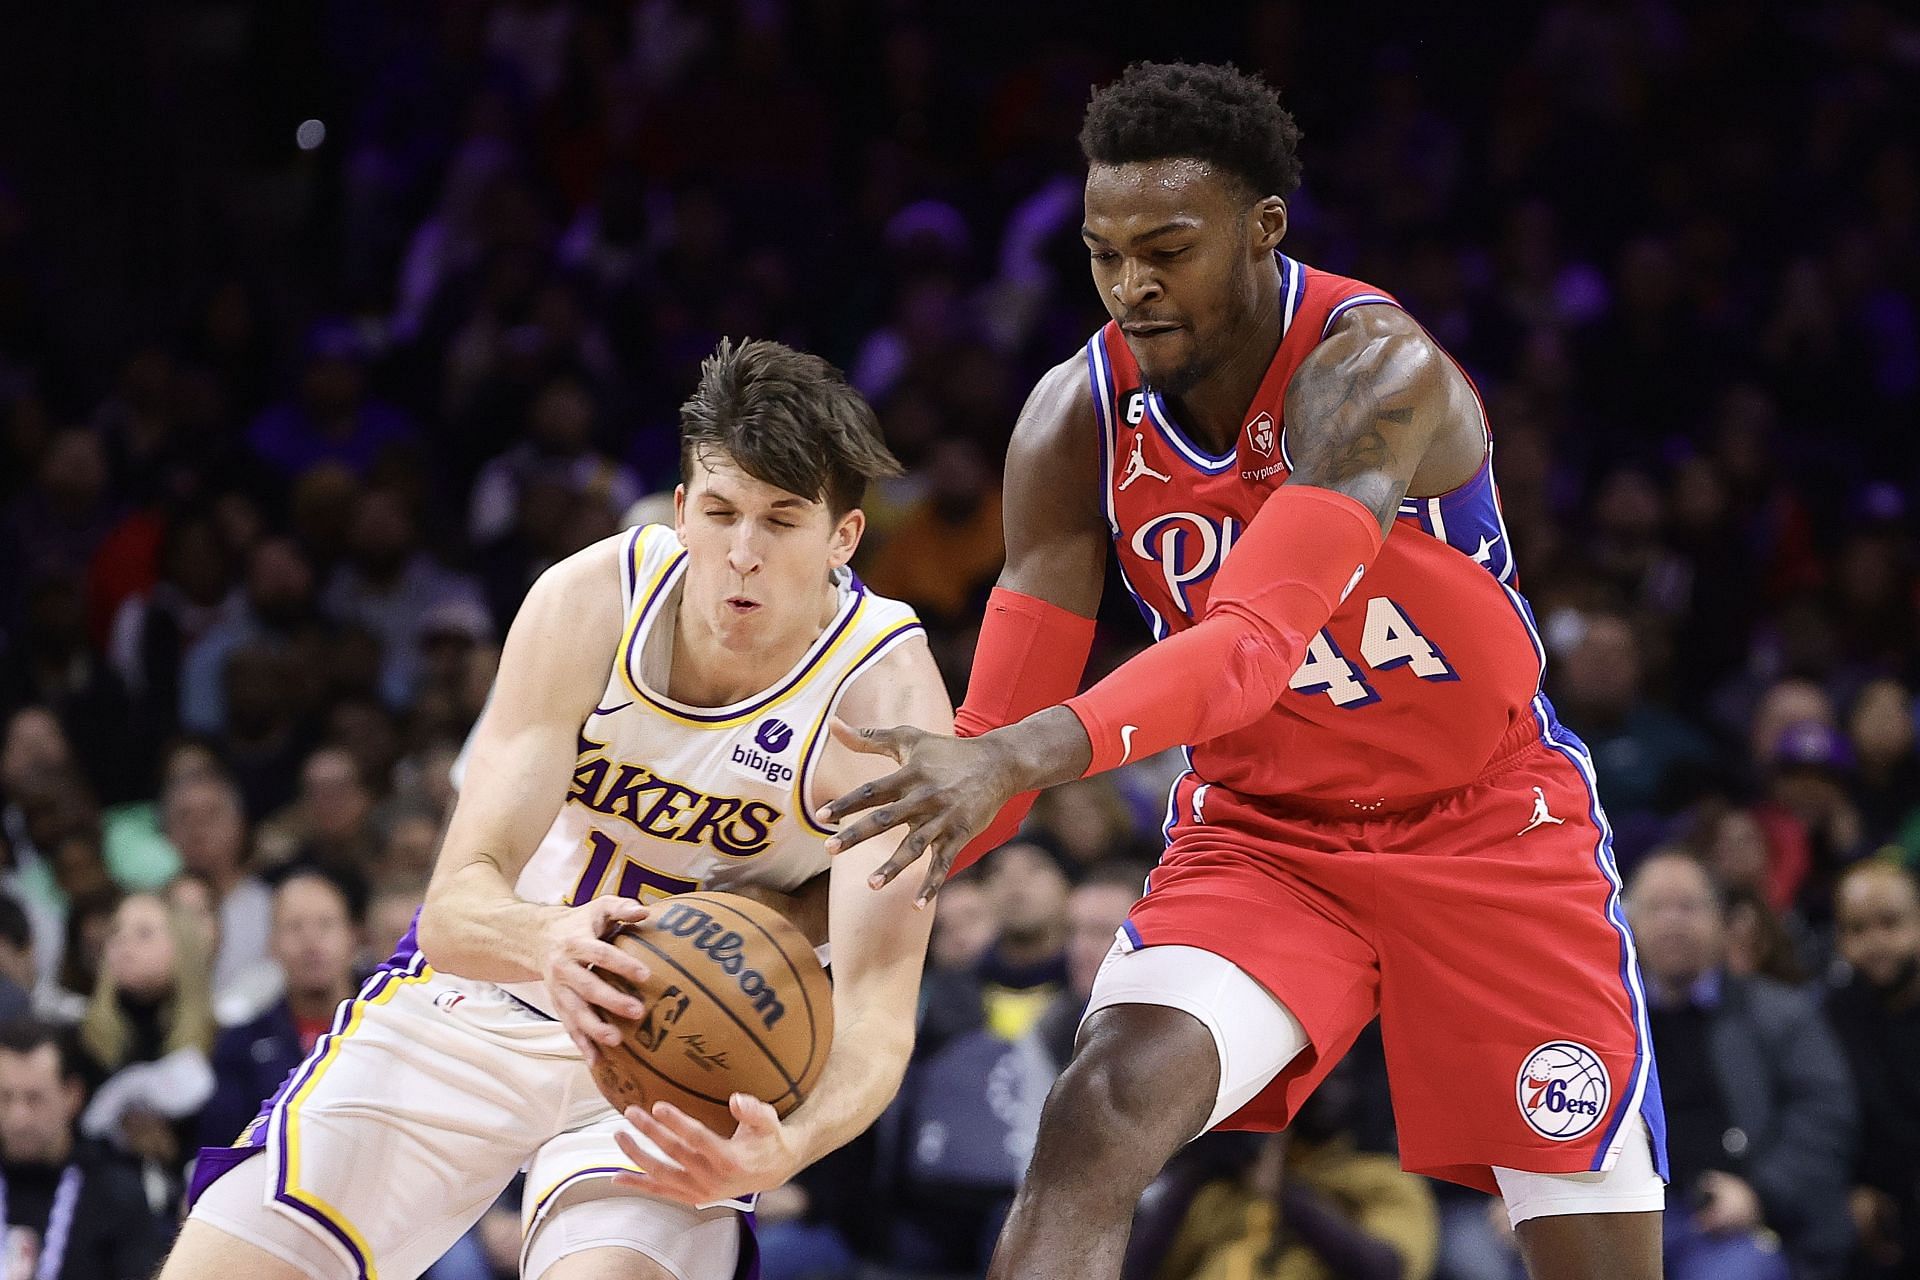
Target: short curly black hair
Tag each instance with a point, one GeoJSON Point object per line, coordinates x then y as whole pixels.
{"type": "Point", "coordinates": [1206, 111]}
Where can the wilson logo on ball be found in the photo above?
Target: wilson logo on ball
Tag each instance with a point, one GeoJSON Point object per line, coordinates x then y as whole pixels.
{"type": "Point", "coordinates": [724, 948]}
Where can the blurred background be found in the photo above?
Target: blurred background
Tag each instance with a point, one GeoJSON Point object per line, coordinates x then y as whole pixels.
{"type": "Point", "coordinates": [327, 325]}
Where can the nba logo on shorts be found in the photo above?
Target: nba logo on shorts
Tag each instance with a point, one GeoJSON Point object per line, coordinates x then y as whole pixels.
{"type": "Point", "coordinates": [1260, 435]}
{"type": "Point", "coordinates": [1563, 1090]}
{"type": "Point", "coordinates": [773, 736]}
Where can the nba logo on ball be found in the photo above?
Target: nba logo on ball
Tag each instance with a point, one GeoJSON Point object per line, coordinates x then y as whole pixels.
{"type": "Point", "coordinates": [1563, 1090]}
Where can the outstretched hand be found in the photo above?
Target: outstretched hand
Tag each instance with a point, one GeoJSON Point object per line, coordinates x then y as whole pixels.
{"type": "Point", "coordinates": [945, 792]}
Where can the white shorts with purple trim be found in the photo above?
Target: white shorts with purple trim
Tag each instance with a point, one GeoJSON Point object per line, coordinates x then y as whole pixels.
{"type": "Point", "coordinates": [411, 1115]}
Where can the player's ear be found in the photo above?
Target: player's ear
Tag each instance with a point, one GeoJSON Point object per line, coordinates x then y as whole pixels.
{"type": "Point", "coordinates": [846, 536]}
{"type": "Point", "coordinates": [1269, 224]}
{"type": "Point", "coordinates": [680, 512]}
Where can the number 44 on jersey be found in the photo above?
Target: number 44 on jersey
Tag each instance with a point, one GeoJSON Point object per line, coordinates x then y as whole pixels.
{"type": "Point", "coordinates": [1388, 639]}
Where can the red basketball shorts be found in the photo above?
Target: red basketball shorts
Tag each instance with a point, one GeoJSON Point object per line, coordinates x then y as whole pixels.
{"type": "Point", "coordinates": [1484, 928]}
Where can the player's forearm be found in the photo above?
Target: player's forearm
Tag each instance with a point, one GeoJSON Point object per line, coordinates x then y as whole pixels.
{"type": "Point", "coordinates": [863, 1072]}
{"type": "Point", "coordinates": [1299, 558]}
{"type": "Point", "coordinates": [473, 925]}
{"type": "Point", "coordinates": [1030, 656]}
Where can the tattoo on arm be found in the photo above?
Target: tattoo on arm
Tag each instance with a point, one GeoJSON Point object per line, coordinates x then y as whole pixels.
{"type": "Point", "coordinates": [1352, 420]}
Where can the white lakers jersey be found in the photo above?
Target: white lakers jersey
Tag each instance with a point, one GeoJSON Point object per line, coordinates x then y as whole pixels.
{"type": "Point", "coordinates": [668, 798]}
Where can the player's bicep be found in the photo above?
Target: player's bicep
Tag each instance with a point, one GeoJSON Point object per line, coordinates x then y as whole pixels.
{"type": "Point", "coordinates": [1365, 406]}
{"type": "Point", "coordinates": [1056, 533]}
{"type": "Point", "coordinates": [553, 669]}
{"type": "Point", "coordinates": [879, 938]}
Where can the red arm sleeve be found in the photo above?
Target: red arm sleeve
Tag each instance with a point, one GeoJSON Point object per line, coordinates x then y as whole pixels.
{"type": "Point", "coordinates": [1030, 656]}
{"type": "Point", "coordinates": [1300, 556]}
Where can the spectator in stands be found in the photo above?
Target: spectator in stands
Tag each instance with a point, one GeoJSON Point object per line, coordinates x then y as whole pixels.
{"type": "Point", "coordinates": [146, 1035]}
{"type": "Point", "coordinates": [316, 938]}
{"type": "Point", "coordinates": [1096, 907]}
{"type": "Point", "coordinates": [391, 585]}
{"type": "Point", "coordinates": [333, 817]}
{"type": "Point", "coordinates": [409, 842]}
{"type": "Point", "coordinates": [948, 548]}
{"type": "Point", "coordinates": [83, 944]}
{"type": "Point", "coordinates": [1289, 1206]}
{"type": "Point", "coordinates": [73, 1211]}
{"type": "Point", "coordinates": [1877, 1016]}
{"type": "Point", "coordinates": [1027, 964]}
{"type": "Point", "coordinates": [1758, 941]}
{"type": "Point", "coordinates": [278, 603]}
{"type": "Point", "coordinates": [17, 974]}
{"type": "Point", "coordinates": [1761, 1117]}
{"type": "Point", "coordinates": [153, 630]}
{"type": "Point", "coordinates": [1641, 750]}
{"type": "Point", "coordinates": [559, 448]}
{"type": "Point", "coordinates": [1089, 819]}
{"type": "Point", "coordinates": [965, 927]}
{"type": "Point", "coordinates": [203, 816]}
{"type": "Point", "coordinates": [33, 753]}
{"type": "Point", "coordinates": [50, 659]}
{"type": "Point", "coordinates": [264, 739]}
{"type": "Point", "coordinates": [1886, 784]}
{"type": "Point", "coordinates": [332, 419]}
{"type": "Point", "coordinates": [1812, 764]}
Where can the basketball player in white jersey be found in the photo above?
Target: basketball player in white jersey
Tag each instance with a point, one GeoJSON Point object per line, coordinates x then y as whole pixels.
{"type": "Point", "coordinates": [660, 723]}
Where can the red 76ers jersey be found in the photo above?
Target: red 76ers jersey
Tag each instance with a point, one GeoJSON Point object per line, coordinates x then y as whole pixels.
{"type": "Point", "coordinates": [1424, 668]}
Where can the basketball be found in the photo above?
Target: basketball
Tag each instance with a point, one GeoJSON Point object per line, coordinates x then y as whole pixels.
{"type": "Point", "coordinates": [737, 1003]}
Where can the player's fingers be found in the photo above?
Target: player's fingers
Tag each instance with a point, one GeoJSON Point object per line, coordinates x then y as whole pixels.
{"type": "Point", "coordinates": [691, 1132]}
{"type": "Point", "coordinates": [753, 1114]}
{"type": "Point", "coordinates": [581, 1024]}
{"type": "Point", "coordinates": [643, 1160]}
{"type": "Point", "coordinates": [911, 846]}
{"type": "Point", "coordinates": [872, 742]}
{"type": "Point", "coordinates": [650, 1176]}
{"type": "Point", "coordinates": [939, 857]}
{"type": "Point", "coordinates": [610, 913]}
{"type": "Point", "coordinates": [682, 1149]}
{"type": "Point", "coordinates": [611, 959]}
{"type": "Point", "coordinates": [601, 994]}
{"type": "Point", "coordinates": [867, 795]}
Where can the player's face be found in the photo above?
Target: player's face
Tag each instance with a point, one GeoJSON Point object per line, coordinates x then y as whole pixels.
{"type": "Point", "coordinates": [1183, 262]}
{"type": "Point", "coordinates": [758, 557]}
{"type": "Point", "coordinates": [1879, 927]}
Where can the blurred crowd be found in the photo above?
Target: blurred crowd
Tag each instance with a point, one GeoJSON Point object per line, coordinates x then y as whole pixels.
{"type": "Point", "coordinates": [327, 325]}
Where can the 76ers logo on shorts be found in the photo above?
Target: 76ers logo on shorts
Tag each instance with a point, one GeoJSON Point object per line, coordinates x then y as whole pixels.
{"type": "Point", "coordinates": [1563, 1090]}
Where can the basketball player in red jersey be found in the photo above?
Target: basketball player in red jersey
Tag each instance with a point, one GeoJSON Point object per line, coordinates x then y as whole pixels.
{"type": "Point", "coordinates": [1381, 813]}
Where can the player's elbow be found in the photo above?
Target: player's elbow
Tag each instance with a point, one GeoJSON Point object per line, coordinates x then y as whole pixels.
{"type": "Point", "coordinates": [1255, 664]}
{"type": "Point", "coordinates": [430, 932]}
{"type": "Point", "coordinates": [436, 929]}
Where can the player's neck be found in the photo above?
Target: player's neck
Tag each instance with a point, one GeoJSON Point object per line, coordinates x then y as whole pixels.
{"type": "Point", "coordinates": [706, 673]}
{"type": "Point", "coordinates": [1215, 408]}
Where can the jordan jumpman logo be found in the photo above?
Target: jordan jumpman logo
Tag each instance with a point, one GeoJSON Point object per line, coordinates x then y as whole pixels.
{"type": "Point", "coordinates": [1541, 818]}
{"type": "Point", "coordinates": [1137, 466]}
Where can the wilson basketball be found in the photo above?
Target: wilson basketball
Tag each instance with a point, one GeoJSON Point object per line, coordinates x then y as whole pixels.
{"type": "Point", "coordinates": [737, 1003]}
